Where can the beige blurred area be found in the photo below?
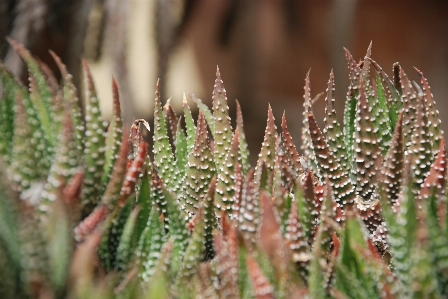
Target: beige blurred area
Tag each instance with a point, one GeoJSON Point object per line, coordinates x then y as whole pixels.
{"type": "Point", "coordinates": [264, 48]}
{"type": "Point", "coordinates": [183, 74]}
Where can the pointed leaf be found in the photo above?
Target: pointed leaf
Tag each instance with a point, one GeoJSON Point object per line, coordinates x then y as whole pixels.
{"type": "Point", "coordinates": [343, 189]}
{"type": "Point", "coordinates": [70, 96]}
{"type": "Point", "coordinates": [170, 114]}
{"type": "Point", "coordinates": [163, 154]}
{"type": "Point", "coordinates": [43, 98]}
{"type": "Point", "coordinates": [260, 283]}
{"type": "Point", "coordinates": [94, 147]}
{"type": "Point", "coordinates": [210, 223]}
{"type": "Point", "coordinates": [150, 244]}
{"type": "Point", "coordinates": [249, 213]}
{"type": "Point", "coordinates": [132, 174]}
{"type": "Point", "coordinates": [433, 114]}
{"type": "Point", "coordinates": [190, 126]}
{"type": "Point", "coordinates": [180, 144]}
{"type": "Point", "coordinates": [113, 139]}
{"type": "Point", "coordinates": [332, 130]}
{"type": "Point", "coordinates": [225, 187]}
{"type": "Point", "coordinates": [420, 146]}
{"type": "Point", "coordinates": [367, 151]}
{"type": "Point", "coordinates": [126, 245]}
{"type": "Point", "coordinates": [206, 111]}
{"type": "Point", "coordinates": [194, 252]}
{"type": "Point", "coordinates": [291, 154]}
{"type": "Point", "coordinates": [200, 169]}
{"type": "Point", "coordinates": [409, 99]}
{"type": "Point", "coordinates": [268, 149]}
{"type": "Point", "coordinates": [223, 129]}
{"type": "Point", "coordinates": [244, 150]}
{"type": "Point", "coordinates": [307, 144]}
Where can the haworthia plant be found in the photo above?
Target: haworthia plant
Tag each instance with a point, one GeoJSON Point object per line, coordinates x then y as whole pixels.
{"type": "Point", "coordinates": [361, 214]}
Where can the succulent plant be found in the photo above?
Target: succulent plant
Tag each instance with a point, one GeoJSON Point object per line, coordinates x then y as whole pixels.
{"type": "Point", "coordinates": [87, 212]}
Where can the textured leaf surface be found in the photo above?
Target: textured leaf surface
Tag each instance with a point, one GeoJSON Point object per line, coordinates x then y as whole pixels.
{"type": "Point", "coordinates": [332, 130]}
{"type": "Point", "coordinates": [223, 129]}
{"type": "Point", "coordinates": [342, 187]}
{"type": "Point", "coordinates": [200, 168]}
{"type": "Point", "coordinates": [268, 150]}
{"type": "Point", "coordinates": [94, 147]}
{"type": "Point", "coordinates": [163, 154]}
{"type": "Point", "coordinates": [244, 149]}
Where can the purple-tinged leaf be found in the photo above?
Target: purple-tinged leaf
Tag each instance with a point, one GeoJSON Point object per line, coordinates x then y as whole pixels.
{"type": "Point", "coordinates": [343, 189]}
{"type": "Point", "coordinates": [436, 133]}
{"type": "Point", "coordinates": [249, 213]}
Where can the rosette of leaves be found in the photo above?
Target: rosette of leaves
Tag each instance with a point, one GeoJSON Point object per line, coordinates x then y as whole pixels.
{"type": "Point", "coordinates": [87, 212]}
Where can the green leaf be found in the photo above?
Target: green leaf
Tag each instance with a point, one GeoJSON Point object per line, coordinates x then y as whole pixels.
{"type": "Point", "coordinates": [308, 150]}
{"type": "Point", "coordinates": [350, 105]}
{"type": "Point", "coordinates": [190, 126]}
{"type": "Point", "coordinates": [420, 148]}
{"type": "Point", "coordinates": [159, 284]}
{"type": "Point", "coordinates": [384, 120]}
{"type": "Point", "coordinates": [174, 217]}
{"type": "Point", "coordinates": [393, 165]}
{"type": "Point", "coordinates": [70, 97]}
{"type": "Point", "coordinates": [244, 149]}
{"type": "Point", "coordinates": [37, 138]}
{"type": "Point", "coordinates": [200, 169]}
{"type": "Point", "coordinates": [114, 135]}
{"type": "Point", "coordinates": [163, 153]}
{"type": "Point", "coordinates": [436, 133]}
{"type": "Point", "coordinates": [410, 102]}
{"type": "Point", "coordinates": [94, 147]}
{"type": "Point", "coordinates": [225, 187]}
{"type": "Point", "coordinates": [316, 282]}
{"type": "Point", "coordinates": [150, 244]}
{"type": "Point", "coordinates": [180, 144]}
{"type": "Point", "coordinates": [402, 229]}
{"type": "Point", "coordinates": [367, 151]}
{"type": "Point", "coordinates": [206, 111]}
{"type": "Point", "coordinates": [65, 164]}
{"type": "Point", "coordinates": [332, 130]}
{"type": "Point", "coordinates": [115, 231]}
{"type": "Point", "coordinates": [268, 149]}
{"type": "Point", "coordinates": [210, 222]}
{"type": "Point", "coordinates": [144, 202]}
{"type": "Point", "coordinates": [127, 242]}
{"type": "Point", "coordinates": [22, 169]}
{"type": "Point", "coordinates": [40, 95]}
{"type": "Point", "coordinates": [223, 129]}
{"type": "Point", "coordinates": [7, 104]}
{"type": "Point", "coordinates": [193, 254]}
{"type": "Point", "coordinates": [393, 95]}
{"type": "Point", "coordinates": [291, 156]}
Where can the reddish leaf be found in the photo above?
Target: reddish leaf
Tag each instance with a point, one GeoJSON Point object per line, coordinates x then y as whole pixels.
{"type": "Point", "coordinates": [260, 283]}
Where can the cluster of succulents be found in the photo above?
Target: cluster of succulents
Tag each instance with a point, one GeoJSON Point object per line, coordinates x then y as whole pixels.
{"type": "Point", "coordinates": [87, 212]}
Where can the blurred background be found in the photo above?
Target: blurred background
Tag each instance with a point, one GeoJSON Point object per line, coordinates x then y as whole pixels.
{"type": "Point", "coordinates": [264, 49]}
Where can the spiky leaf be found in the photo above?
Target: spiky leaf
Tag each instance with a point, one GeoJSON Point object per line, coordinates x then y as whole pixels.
{"type": "Point", "coordinates": [199, 170]}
